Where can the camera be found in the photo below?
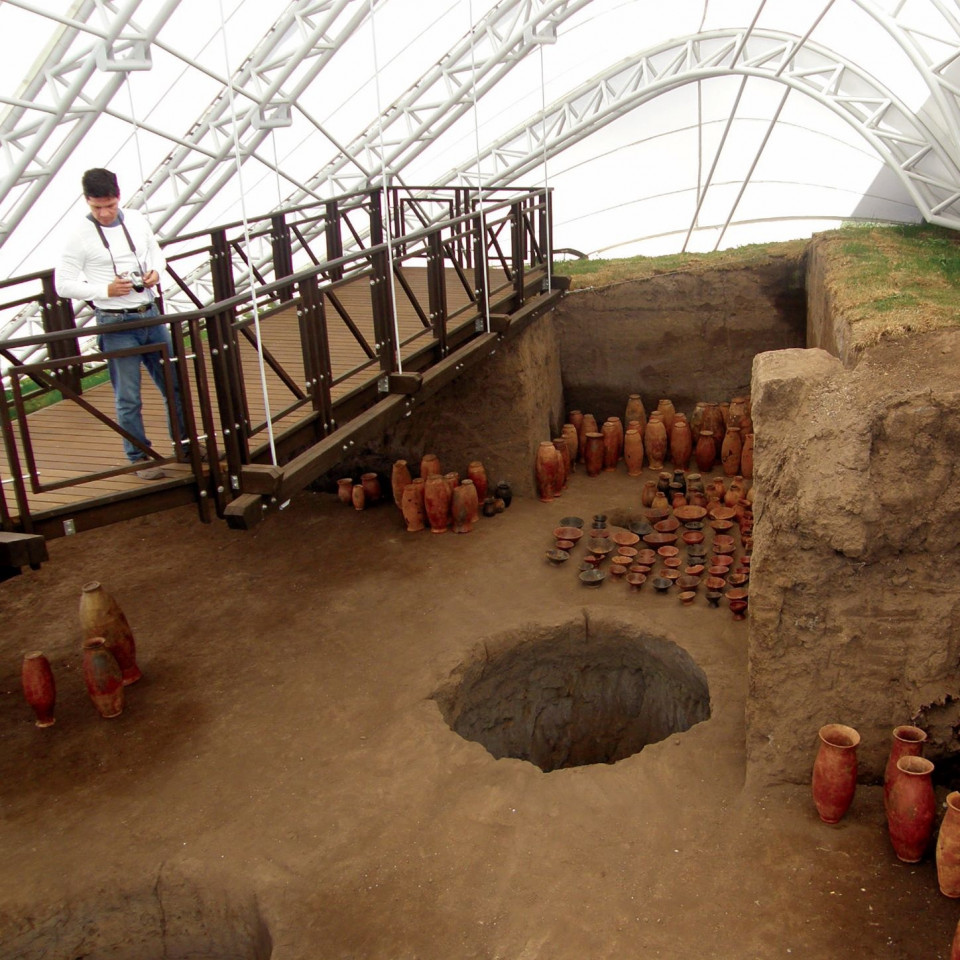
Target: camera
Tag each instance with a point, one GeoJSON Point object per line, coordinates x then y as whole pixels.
{"type": "Point", "coordinates": [136, 278]}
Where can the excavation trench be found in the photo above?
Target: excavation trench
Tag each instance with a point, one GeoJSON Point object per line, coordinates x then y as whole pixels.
{"type": "Point", "coordinates": [574, 695]}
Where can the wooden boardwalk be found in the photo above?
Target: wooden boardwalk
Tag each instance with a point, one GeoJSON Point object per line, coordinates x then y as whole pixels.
{"type": "Point", "coordinates": [68, 442]}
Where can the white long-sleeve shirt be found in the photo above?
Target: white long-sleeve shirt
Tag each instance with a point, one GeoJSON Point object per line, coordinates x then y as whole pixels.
{"type": "Point", "coordinates": [85, 270]}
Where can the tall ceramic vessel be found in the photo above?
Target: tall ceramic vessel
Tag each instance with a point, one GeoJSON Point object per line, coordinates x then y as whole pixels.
{"type": "Point", "coordinates": [587, 425]}
{"type": "Point", "coordinates": [569, 433]}
{"type": "Point", "coordinates": [436, 500]}
{"type": "Point", "coordinates": [655, 441]}
{"type": "Point", "coordinates": [478, 474]}
{"type": "Point", "coordinates": [430, 464]}
{"type": "Point", "coordinates": [411, 505]}
{"type": "Point", "coordinates": [667, 412]}
{"type": "Point", "coordinates": [462, 507]}
{"type": "Point", "coordinates": [730, 451]}
{"type": "Point", "coordinates": [911, 809]}
{"type": "Point", "coordinates": [101, 616]}
{"type": "Point", "coordinates": [635, 410]}
{"type": "Point", "coordinates": [566, 465]}
{"type": "Point", "coordinates": [633, 453]}
{"type": "Point", "coordinates": [399, 478]}
{"type": "Point", "coordinates": [611, 445]}
{"type": "Point", "coordinates": [835, 771]}
{"type": "Point", "coordinates": [706, 451]}
{"type": "Point", "coordinates": [39, 688]}
{"type": "Point", "coordinates": [948, 848]}
{"type": "Point", "coordinates": [103, 678]}
{"type": "Point", "coordinates": [345, 490]}
{"type": "Point", "coordinates": [681, 442]}
{"type": "Point", "coordinates": [547, 468]}
{"type": "Point", "coordinates": [906, 741]}
{"type": "Point", "coordinates": [746, 455]}
{"type": "Point", "coordinates": [593, 453]}
{"type": "Point", "coordinates": [371, 487]}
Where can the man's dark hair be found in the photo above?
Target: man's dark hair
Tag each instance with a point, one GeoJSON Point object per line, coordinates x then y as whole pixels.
{"type": "Point", "coordinates": [100, 183]}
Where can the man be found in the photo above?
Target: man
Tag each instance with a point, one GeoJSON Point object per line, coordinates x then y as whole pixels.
{"type": "Point", "coordinates": [113, 259]}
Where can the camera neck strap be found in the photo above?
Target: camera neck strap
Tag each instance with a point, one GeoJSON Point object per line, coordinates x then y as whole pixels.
{"type": "Point", "coordinates": [126, 233]}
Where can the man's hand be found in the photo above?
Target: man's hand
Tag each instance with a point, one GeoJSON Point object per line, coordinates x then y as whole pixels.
{"type": "Point", "coordinates": [120, 287]}
{"type": "Point", "coordinates": [151, 279]}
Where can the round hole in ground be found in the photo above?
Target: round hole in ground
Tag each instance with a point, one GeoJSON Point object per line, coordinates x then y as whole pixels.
{"type": "Point", "coordinates": [574, 694]}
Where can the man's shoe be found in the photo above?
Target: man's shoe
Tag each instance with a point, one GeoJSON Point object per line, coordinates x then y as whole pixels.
{"type": "Point", "coordinates": [151, 473]}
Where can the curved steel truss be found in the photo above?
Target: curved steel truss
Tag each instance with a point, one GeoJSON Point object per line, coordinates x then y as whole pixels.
{"type": "Point", "coordinates": [98, 43]}
{"type": "Point", "coordinates": [925, 160]}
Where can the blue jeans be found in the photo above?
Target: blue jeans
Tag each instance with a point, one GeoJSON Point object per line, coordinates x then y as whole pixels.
{"type": "Point", "coordinates": [125, 374]}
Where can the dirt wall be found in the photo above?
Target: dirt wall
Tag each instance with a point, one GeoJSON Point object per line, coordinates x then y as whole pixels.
{"type": "Point", "coordinates": [688, 335]}
{"type": "Point", "coordinates": [496, 412]}
{"type": "Point", "coordinates": [855, 586]}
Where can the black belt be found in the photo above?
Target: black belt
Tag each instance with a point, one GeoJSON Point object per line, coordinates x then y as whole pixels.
{"type": "Point", "coordinates": [143, 308]}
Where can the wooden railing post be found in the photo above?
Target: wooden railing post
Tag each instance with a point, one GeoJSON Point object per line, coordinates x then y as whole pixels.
{"type": "Point", "coordinates": [481, 266]}
{"type": "Point", "coordinates": [331, 231]}
{"type": "Point", "coordinates": [225, 360]}
{"type": "Point", "coordinates": [437, 290]}
{"type": "Point", "coordinates": [57, 316]}
{"type": "Point", "coordinates": [315, 345]}
{"type": "Point", "coordinates": [282, 254]}
{"type": "Point", "coordinates": [518, 252]}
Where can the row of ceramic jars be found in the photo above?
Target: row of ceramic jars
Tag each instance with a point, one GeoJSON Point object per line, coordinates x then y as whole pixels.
{"type": "Point", "coordinates": [442, 500]}
{"type": "Point", "coordinates": [908, 797]}
{"type": "Point", "coordinates": [715, 432]}
{"type": "Point", "coordinates": [109, 660]}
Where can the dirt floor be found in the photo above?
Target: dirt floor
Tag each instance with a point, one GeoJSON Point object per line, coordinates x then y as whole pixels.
{"type": "Point", "coordinates": [281, 783]}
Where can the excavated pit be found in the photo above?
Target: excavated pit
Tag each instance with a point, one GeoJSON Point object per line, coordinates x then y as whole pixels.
{"type": "Point", "coordinates": [574, 695]}
{"type": "Point", "coordinates": [177, 919]}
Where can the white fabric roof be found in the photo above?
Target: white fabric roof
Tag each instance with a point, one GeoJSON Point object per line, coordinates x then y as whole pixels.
{"type": "Point", "coordinates": [690, 125]}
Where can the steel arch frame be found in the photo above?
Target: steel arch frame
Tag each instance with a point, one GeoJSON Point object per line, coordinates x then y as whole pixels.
{"type": "Point", "coordinates": [928, 169]}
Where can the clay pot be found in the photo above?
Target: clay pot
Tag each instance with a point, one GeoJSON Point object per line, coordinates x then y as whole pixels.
{"type": "Point", "coordinates": [399, 479]}
{"type": "Point", "coordinates": [593, 453]}
{"type": "Point", "coordinates": [906, 741]}
{"type": "Point", "coordinates": [696, 421]}
{"type": "Point", "coordinates": [345, 490]}
{"type": "Point", "coordinates": [611, 445]}
{"type": "Point", "coordinates": [681, 442]}
{"type": "Point", "coordinates": [746, 455]}
{"type": "Point", "coordinates": [635, 410]}
{"type": "Point", "coordinates": [39, 688]}
{"type": "Point", "coordinates": [948, 848]}
{"type": "Point", "coordinates": [730, 451]}
{"type": "Point", "coordinates": [504, 493]}
{"type": "Point", "coordinates": [472, 497]}
{"type": "Point", "coordinates": [587, 425]}
{"type": "Point", "coordinates": [101, 616]}
{"type": "Point", "coordinates": [667, 412]}
{"type": "Point", "coordinates": [411, 505]}
{"type": "Point", "coordinates": [955, 946]}
{"type": "Point", "coordinates": [575, 417]}
{"type": "Point", "coordinates": [462, 505]}
{"type": "Point", "coordinates": [655, 441]}
{"type": "Point", "coordinates": [706, 451]}
{"type": "Point", "coordinates": [633, 453]}
{"type": "Point", "coordinates": [436, 502]}
{"type": "Point", "coordinates": [371, 487]}
{"type": "Point", "coordinates": [569, 433]}
{"type": "Point", "coordinates": [490, 506]}
{"type": "Point", "coordinates": [618, 425]}
{"type": "Point", "coordinates": [548, 469]}
{"type": "Point", "coordinates": [477, 473]}
{"type": "Point", "coordinates": [560, 445]}
{"type": "Point", "coordinates": [648, 492]}
{"type": "Point", "coordinates": [713, 421]}
{"type": "Point", "coordinates": [835, 771]}
{"type": "Point", "coordinates": [103, 678]}
{"type": "Point", "coordinates": [430, 464]}
{"type": "Point", "coordinates": [660, 502]}
{"type": "Point", "coordinates": [359, 496]}
{"type": "Point", "coordinates": [911, 809]}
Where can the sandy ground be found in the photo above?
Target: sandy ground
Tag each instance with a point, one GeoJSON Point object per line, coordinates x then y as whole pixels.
{"type": "Point", "coordinates": [282, 784]}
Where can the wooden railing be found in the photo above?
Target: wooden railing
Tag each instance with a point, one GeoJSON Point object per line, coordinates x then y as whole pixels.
{"type": "Point", "coordinates": [225, 284]}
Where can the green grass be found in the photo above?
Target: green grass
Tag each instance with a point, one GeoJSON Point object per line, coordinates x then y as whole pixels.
{"type": "Point", "coordinates": [37, 399]}
{"type": "Point", "coordinates": [602, 272]}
